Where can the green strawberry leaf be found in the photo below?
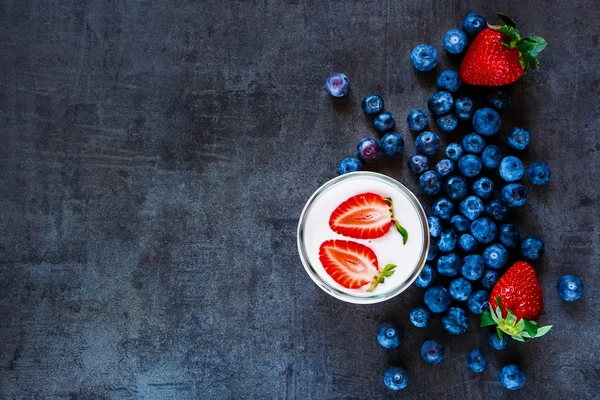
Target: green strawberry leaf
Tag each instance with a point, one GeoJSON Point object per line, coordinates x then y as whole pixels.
{"type": "Point", "coordinates": [531, 329]}
{"type": "Point", "coordinates": [499, 307]}
{"type": "Point", "coordinates": [500, 333]}
{"type": "Point", "coordinates": [518, 337]}
{"type": "Point", "coordinates": [402, 231]}
{"type": "Point", "coordinates": [525, 46]}
{"type": "Point", "coordinates": [540, 44]}
{"type": "Point", "coordinates": [511, 318]}
{"type": "Point", "coordinates": [543, 330]}
{"type": "Point", "coordinates": [508, 31]}
{"type": "Point", "coordinates": [486, 319]}
{"type": "Point", "coordinates": [507, 20]}
{"type": "Point", "coordinates": [388, 200]}
{"type": "Point", "coordinates": [531, 61]}
{"type": "Point", "coordinates": [388, 270]}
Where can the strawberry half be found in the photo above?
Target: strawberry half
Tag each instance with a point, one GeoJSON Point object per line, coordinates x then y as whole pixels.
{"type": "Point", "coordinates": [365, 216]}
{"type": "Point", "coordinates": [352, 264]}
{"type": "Point", "coordinates": [499, 55]}
{"type": "Point", "coordinates": [516, 303]}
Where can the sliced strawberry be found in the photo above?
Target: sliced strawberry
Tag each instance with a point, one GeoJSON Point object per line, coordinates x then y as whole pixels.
{"type": "Point", "coordinates": [352, 264]}
{"type": "Point", "coordinates": [365, 216]}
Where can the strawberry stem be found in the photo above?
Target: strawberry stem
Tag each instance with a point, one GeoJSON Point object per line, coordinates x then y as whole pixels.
{"type": "Point", "coordinates": [521, 330]}
{"type": "Point", "coordinates": [399, 227]}
{"type": "Point", "coordinates": [380, 276]}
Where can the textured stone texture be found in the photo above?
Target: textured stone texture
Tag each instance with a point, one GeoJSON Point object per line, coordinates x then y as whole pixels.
{"type": "Point", "coordinates": [155, 157]}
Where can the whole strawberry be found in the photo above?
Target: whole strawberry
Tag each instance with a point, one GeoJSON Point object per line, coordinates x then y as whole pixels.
{"type": "Point", "coordinates": [516, 304]}
{"type": "Point", "coordinates": [499, 55]}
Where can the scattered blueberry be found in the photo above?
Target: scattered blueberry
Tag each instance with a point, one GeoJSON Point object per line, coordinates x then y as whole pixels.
{"type": "Point", "coordinates": [426, 277]}
{"type": "Point", "coordinates": [570, 288]}
{"type": "Point", "coordinates": [456, 187]}
{"type": "Point", "coordinates": [483, 188]}
{"type": "Point", "coordinates": [454, 151]}
{"type": "Point", "coordinates": [391, 144]}
{"type": "Point", "coordinates": [395, 378]}
{"type": "Point", "coordinates": [449, 265]}
{"type": "Point", "coordinates": [463, 108]}
{"type": "Point", "coordinates": [473, 23]}
{"type": "Point", "coordinates": [417, 120]}
{"type": "Point", "coordinates": [432, 352]}
{"type": "Point", "coordinates": [388, 335]}
{"type": "Point", "coordinates": [469, 165]}
{"type": "Point", "coordinates": [491, 156]}
{"type": "Point", "coordinates": [532, 248]}
{"type": "Point", "coordinates": [538, 173]}
{"type": "Point", "coordinates": [495, 256]}
{"type": "Point", "coordinates": [512, 377]}
{"type": "Point", "coordinates": [445, 167]}
{"type": "Point", "coordinates": [455, 41]}
{"type": "Point", "coordinates": [440, 103]}
{"type": "Point", "coordinates": [418, 163]}
{"type": "Point", "coordinates": [367, 150]}
{"type": "Point", "coordinates": [460, 224]}
{"type": "Point", "coordinates": [424, 57]}
{"type": "Point", "coordinates": [447, 123]}
{"type": "Point", "coordinates": [448, 81]}
{"type": "Point", "coordinates": [483, 230]}
{"type": "Point", "coordinates": [338, 84]}
{"type": "Point", "coordinates": [514, 194]}
{"type": "Point", "coordinates": [489, 278]}
{"type": "Point", "coordinates": [471, 207]}
{"type": "Point", "coordinates": [499, 98]}
{"type": "Point", "coordinates": [349, 165]}
{"type": "Point", "coordinates": [472, 268]}
{"type": "Point", "coordinates": [518, 138]}
{"type": "Point", "coordinates": [473, 143]}
{"type": "Point", "coordinates": [427, 143]}
{"type": "Point", "coordinates": [478, 301]}
{"type": "Point", "coordinates": [511, 169]}
{"type": "Point", "coordinates": [467, 243]}
{"type": "Point", "coordinates": [384, 121]}
{"type": "Point", "coordinates": [460, 289]}
{"type": "Point", "coordinates": [433, 251]}
{"type": "Point", "coordinates": [443, 208]}
{"type": "Point", "coordinates": [495, 341]}
{"type": "Point", "coordinates": [437, 299]}
{"type": "Point", "coordinates": [419, 316]}
{"type": "Point", "coordinates": [455, 320]}
{"type": "Point", "coordinates": [435, 226]}
{"type": "Point", "coordinates": [447, 241]}
{"type": "Point", "coordinates": [372, 104]}
{"type": "Point", "coordinates": [486, 121]}
{"type": "Point", "coordinates": [497, 210]}
{"type": "Point", "coordinates": [476, 360]}
{"type": "Point", "coordinates": [508, 236]}
{"type": "Point", "coordinates": [430, 182]}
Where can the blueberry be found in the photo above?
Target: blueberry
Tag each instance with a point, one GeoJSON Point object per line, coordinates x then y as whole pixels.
{"type": "Point", "coordinates": [433, 251]}
{"type": "Point", "coordinates": [476, 360]}
{"type": "Point", "coordinates": [430, 182]}
{"type": "Point", "coordinates": [471, 207]}
{"type": "Point", "coordinates": [495, 256]}
{"type": "Point", "coordinates": [456, 187]}
{"type": "Point", "coordinates": [518, 138]}
{"type": "Point", "coordinates": [447, 123]}
{"type": "Point", "coordinates": [472, 268]}
{"type": "Point", "coordinates": [483, 188]}
{"type": "Point", "coordinates": [469, 165]}
{"type": "Point", "coordinates": [491, 156]}
{"type": "Point", "coordinates": [338, 84]}
{"type": "Point", "coordinates": [418, 163]}
{"type": "Point", "coordinates": [445, 167]}
{"type": "Point", "coordinates": [449, 265]}
{"type": "Point", "coordinates": [511, 377]}
{"type": "Point", "coordinates": [473, 143]}
{"type": "Point", "coordinates": [447, 241]}
{"type": "Point", "coordinates": [497, 210]}
{"type": "Point", "coordinates": [467, 243]}
{"type": "Point", "coordinates": [508, 236]}
{"type": "Point", "coordinates": [391, 144]}
{"type": "Point", "coordinates": [511, 169]}
{"type": "Point", "coordinates": [532, 248]}
{"type": "Point", "coordinates": [424, 57]}
{"type": "Point", "coordinates": [427, 143]}
{"type": "Point", "coordinates": [395, 378]}
{"type": "Point", "coordinates": [460, 224]}
{"type": "Point", "coordinates": [495, 341]}
{"type": "Point", "coordinates": [367, 150]}
{"type": "Point", "coordinates": [437, 299]}
{"type": "Point", "coordinates": [440, 103]}
{"type": "Point", "coordinates": [435, 226]}
{"type": "Point", "coordinates": [419, 316]}
{"type": "Point", "coordinates": [483, 230]}
{"type": "Point", "coordinates": [349, 165]}
{"type": "Point", "coordinates": [514, 194]}
{"type": "Point", "coordinates": [478, 301]}
{"type": "Point", "coordinates": [443, 208]}
{"type": "Point", "coordinates": [460, 289]}
{"type": "Point", "coordinates": [486, 121]}
{"type": "Point", "coordinates": [463, 108]}
{"type": "Point", "coordinates": [388, 335]}
{"type": "Point", "coordinates": [538, 173]}
{"type": "Point", "coordinates": [417, 120]}
{"type": "Point", "coordinates": [384, 121]}
{"type": "Point", "coordinates": [473, 23]}
{"type": "Point", "coordinates": [489, 278]}
{"type": "Point", "coordinates": [432, 352]}
{"type": "Point", "coordinates": [454, 151]}
{"type": "Point", "coordinates": [499, 98]}
{"type": "Point", "coordinates": [372, 104]}
{"type": "Point", "coordinates": [449, 81]}
{"type": "Point", "coordinates": [455, 41]}
{"type": "Point", "coordinates": [426, 277]}
{"type": "Point", "coordinates": [455, 321]}
{"type": "Point", "coordinates": [570, 288]}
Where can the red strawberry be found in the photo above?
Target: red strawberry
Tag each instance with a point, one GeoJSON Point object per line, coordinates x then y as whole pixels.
{"type": "Point", "coordinates": [498, 56]}
{"type": "Point", "coordinates": [365, 216]}
{"type": "Point", "coordinates": [352, 264]}
{"type": "Point", "coordinates": [516, 304]}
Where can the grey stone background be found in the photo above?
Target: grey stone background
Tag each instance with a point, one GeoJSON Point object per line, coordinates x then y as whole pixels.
{"type": "Point", "coordinates": [155, 157]}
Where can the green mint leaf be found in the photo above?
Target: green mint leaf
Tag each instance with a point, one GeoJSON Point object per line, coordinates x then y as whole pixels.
{"type": "Point", "coordinates": [531, 329]}
{"type": "Point", "coordinates": [486, 319]}
{"type": "Point", "coordinates": [543, 330]}
{"type": "Point", "coordinates": [507, 20]}
{"type": "Point", "coordinates": [402, 231]}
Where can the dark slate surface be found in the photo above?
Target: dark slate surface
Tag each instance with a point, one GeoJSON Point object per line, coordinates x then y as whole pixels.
{"type": "Point", "coordinates": [155, 157]}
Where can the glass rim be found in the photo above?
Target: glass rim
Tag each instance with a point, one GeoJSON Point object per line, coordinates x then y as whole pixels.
{"type": "Point", "coordinates": [342, 295]}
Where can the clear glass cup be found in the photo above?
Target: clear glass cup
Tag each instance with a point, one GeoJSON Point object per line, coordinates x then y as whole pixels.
{"type": "Point", "coordinates": [412, 271]}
